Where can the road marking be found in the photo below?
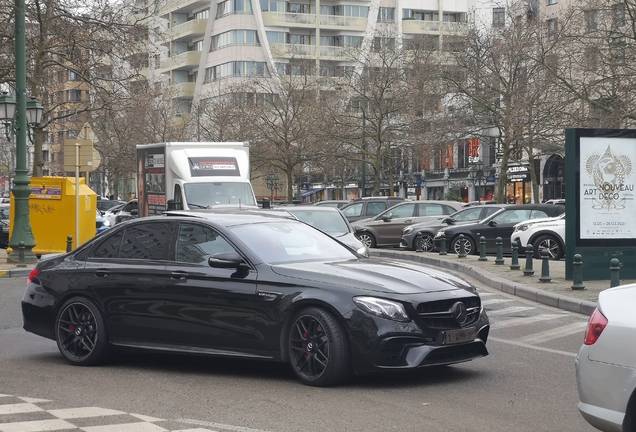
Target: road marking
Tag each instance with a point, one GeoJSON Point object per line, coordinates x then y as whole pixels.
{"type": "Point", "coordinates": [125, 427]}
{"type": "Point", "coordinates": [534, 347]}
{"type": "Point", "coordinates": [496, 301]}
{"type": "Point", "coordinates": [555, 333]}
{"type": "Point", "coordinates": [18, 408]}
{"type": "Point", "coordinates": [512, 309]}
{"type": "Point", "coordinates": [219, 425]}
{"type": "Point", "coordinates": [73, 413]}
{"type": "Point", "coordinates": [526, 320]}
{"type": "Point", "coordinates": [33, 426]}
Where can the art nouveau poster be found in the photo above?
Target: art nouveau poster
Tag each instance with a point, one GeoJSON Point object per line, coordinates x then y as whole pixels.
{"type": "Point", "coordinates": [607, 201]}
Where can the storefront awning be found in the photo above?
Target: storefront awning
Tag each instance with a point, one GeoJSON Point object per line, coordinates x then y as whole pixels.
{"type": "Point", "coordinates": [310, 192]}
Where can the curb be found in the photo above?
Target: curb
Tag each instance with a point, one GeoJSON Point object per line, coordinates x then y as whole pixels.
{"type": "Point", "coordinates": [15, 273]}
{"type": "Point", "coordinates": [547, 298]}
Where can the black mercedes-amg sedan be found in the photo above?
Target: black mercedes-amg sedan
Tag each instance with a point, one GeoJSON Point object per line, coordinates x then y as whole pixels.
{"type": "Point", "coordinates": [252, 285]}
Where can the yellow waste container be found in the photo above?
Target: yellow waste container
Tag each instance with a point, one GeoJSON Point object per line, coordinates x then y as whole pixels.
{"type": "Point", "coordinates": [52, 213]}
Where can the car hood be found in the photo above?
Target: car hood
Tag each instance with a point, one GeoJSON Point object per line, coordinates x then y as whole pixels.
{"type": "Point", "coordinates": [374, 274]}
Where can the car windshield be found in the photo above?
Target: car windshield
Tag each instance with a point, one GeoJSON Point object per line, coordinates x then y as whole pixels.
{"type": "Point", "coordinates": [288, 241]}
{"type": "Point", "coordinates": [207, 195]}
{"type": "Point", "coordinates": [329, 222]}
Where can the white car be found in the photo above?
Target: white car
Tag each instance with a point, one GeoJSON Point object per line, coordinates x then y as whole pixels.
{"type": "Point", "coordinates": [111, 213]}
{"type": "Point", "coordinates": [606, 363]}
{"type": "Point", "coordinates": [547, 233]}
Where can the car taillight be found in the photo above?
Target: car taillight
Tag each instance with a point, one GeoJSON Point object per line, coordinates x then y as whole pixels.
{"type": "Point", "coordinates": [595, 327]}
{"type": "Point", "coordinates": [34, 274]}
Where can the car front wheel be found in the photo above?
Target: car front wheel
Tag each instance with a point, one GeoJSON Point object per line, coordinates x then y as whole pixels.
{"type": "Point", "coordinates": [318, 348]}
{"type": "Point", "coordinates": [469, 245]}
{"type": "Point", "coordinates": [80, 332]}
{"type": "Point", "coordinates": [427, 242]}
{"type": "Point", "coordinates": [367, 239]}
{"type": "Point", "coordinates": [550, 243]}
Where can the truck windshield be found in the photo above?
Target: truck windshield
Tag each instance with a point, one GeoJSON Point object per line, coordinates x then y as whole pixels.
{"type": "Point", "coordinates": [207, 195]}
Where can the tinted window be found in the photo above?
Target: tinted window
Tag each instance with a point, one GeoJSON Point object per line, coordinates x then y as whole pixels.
{"type": "Point", "coordinates": [109, 248]}
{"type": "Point", "coordinates": [353, 210]}
{"type": "Point", "coordinates": [130, 206]}
{"type": "Point", "coordinates": [536, 214]}
{"type": "Point", "coordinates": [146, 241]}
{"type": "Point", "coordinates": [329, 222]}
{"type": "Point", "coordinates": [403, 211]}
{"type": "Point", "coordinates": [512, 216]}
{"type": "Point", "coordinates": [489, 210]}
{"type": "Point", "coordinates": [197, 243]}
{"type": "Point", "coordinates": [375, 208]}
{"type": "Point", "coordinates": [470, 214]}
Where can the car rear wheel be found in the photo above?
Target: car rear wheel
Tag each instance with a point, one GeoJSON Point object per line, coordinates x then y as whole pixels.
{"type": "Point", "coordinates": [367, 239]}
{"type": "Point", "coordinates": [80, 332]}
{"type": "Point", "coordinates": [318, 348]}
{"type": "Point", "coordinates": [469, 245]}
{"type": "Point", "coordinates": [427, 242]}
{"type": "Point", "coordinates": [555, 250]}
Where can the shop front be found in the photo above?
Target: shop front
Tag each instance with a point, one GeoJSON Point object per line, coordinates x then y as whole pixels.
{"type": "Point", "coordinates": [518, 185]}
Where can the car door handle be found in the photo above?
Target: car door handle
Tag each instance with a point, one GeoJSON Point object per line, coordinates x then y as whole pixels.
{"type": "Point", "coordinates": [102, 273]}
{"type": "Point", "coordinates": [408, 221]}
{"type": "Point", "coordinates": [179, 275]}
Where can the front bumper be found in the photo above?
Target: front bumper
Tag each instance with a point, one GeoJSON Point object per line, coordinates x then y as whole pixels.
{"type": "Point", "coordinates": [381, 344]}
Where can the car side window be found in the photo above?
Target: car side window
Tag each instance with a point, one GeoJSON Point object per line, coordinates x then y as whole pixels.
{"type": "Point", "coordinates": [110, 247]}
{"type": "Point", "coordinates": [375, 208]}
{"type": "Point", "coordinates": [536, 214]}
{"type": "Point", "coordinates": [197, 243]}
{"type": "Point", "coordinates": [403, 211]}
{"type": "Point", "coordinates": [130, 206]}
{"type": "Point", "coordinates": [147, 241]}
{"type": "Point", "coordinates": [470, 214]}
{"type": "Point", "coordinates": [512, 216]}
{"type": "Point", "coordinates": [433, 210]}
{"type": "Point", "coordinates": [488, 210]}
{"type": "Point", "coordinates": [353, 210]}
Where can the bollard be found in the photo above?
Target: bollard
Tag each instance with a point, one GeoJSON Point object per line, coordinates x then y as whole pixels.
{"type": "Point", "coordinates": [442, 246]}
{"type": "Point", "coordinates": [462, 250]}
{"type": "Point", "coordinates": [545, 266]}
{"type": "Point", "coordinates": [418, 243]}
{"type": "Point", "coordinates": [482, 249]}
{"type": "Point", "coordinates": [614, 267]}
{"type": "Point", "coordinates": [499, 260]}
{"type": "Point", "coordinates": [514, 265]}
{"type": "Point", "coordinates": [577, 277]}
{"type": "Point", "coordinates": [528, 271]}
{"type": "Point", "coordinates": [21, 262]}
{"type": "Point", "coordinates": [69, 243]}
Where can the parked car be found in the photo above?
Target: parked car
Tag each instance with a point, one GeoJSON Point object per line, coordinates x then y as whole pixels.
{"type": "Point", "coordinates": [332, 203]}
{"type": "Point", "coordinates": [104, 204]}
{"type": "Point", "coordinates": [101, 223]}
{"type": "Point", "coordinates": [541, 234]}
{"type": "Point", "coordinates": [112, 212]}
{"type": "Point", "coordinates": [331, 221]}
{"type": "Point", "coordinates": [4, 223]}
{"type": "Point", "coordinates": [129, 211]}
{"type": "Point", "coordinates": [363, 208]}
{"type": "Point", "coordinates": [500, 224]}
{"type": "Point", "coordinates": [253, 286]}
{"type": "Point", "coordinates": [385, 229]}
{"type": "Point", "coordinates": [430, 228]}
{"type": "Point", "coordinates": [606, 362]}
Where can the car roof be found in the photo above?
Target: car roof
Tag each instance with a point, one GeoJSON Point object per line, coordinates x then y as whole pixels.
{"type": "Point", "coordinates": [227, 216]}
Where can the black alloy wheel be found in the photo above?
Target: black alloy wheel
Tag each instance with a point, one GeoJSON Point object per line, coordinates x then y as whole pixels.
{"type": "Point", "coordinates": [427, 242]}
{"type": "Point", "coordinates": [550, 243]}
{"type": "Point", "coordinates": [317, 348]}
{"type": "Point", "coordinates": [80, 332]}
{"type": "Point", "coordinates": [367, 239]}
{"type": "Point", "coordinates": [469, 245]}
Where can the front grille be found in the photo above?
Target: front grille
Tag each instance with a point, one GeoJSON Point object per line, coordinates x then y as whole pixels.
{"type": "Point", "coordinates": [392, 350]}
{"type": "Point", "coordinates": [437, 314]}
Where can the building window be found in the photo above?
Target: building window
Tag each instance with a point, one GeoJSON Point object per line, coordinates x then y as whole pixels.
{"type": "Point", "coordinates": [552, 2]}
{"type": "Point", "coordinates": [592, 20]}
{"type": "Point", "coordinates": [45, 155]}
{"type": "Point", "coordinates": [233, 7]}
{"type": "Point", "coordinates": [236, 69]}
{"type": "Point", "coordinates": [233, 38]}
{"type": "Point", "coordinates": [552, 29]}
{"type": "Point", "coordinates": [73, 76]}
{"type": "Point", "coordinates": [591, 59]}
{"type": "Point", "coordinates": [386, 14]}
{"type": "Point", "coordinates": [617, 49]}
{"type": "Point", "coordinates": [498, 17]}
{"type": "Point", "coordinates": [73, 95]}
{"type": "Point", "coordinates": [619, 15]}
{"type": "Point", "coordinates": [276, 37]}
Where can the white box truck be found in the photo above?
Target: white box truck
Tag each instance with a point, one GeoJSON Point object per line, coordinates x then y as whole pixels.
{"type": "Point", "coordinates": [193, 175]}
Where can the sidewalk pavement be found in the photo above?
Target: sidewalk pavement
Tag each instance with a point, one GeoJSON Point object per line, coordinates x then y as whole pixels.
{"type": "Point", "coordinates": [557, 293]}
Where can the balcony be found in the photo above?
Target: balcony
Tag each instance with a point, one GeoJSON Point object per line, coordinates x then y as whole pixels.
{"type": "Point", "coordinates": [338, 22]}
{"type": "Point", "coordinates": [183, 61]}
{"type": "Point", "coordinates": [304, 20]}
{"type": "Point", "coordinates": [309, 51]}
{"type": "Point", "coordinates": [181, 6]}
{"type": "Point", "coordinates": [183, 90]}
{"type": "Point", "coordinates": [433, 27]}
{"type": "Point", "coordinates": [186, 31]}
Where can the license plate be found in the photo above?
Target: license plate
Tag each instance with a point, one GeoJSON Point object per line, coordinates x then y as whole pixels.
{"type": "Point", "coordinates": [450, 337]}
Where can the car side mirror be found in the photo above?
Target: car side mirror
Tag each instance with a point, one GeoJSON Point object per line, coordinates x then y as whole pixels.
{"type": "Point", "coordinates": [226, 260]}
{"type": "Point", "coordinates": [174, 205]}
{"type": "Point", "coordinates": [492, 223]}
{"type": "Point", "coordinates": [449, 221]}
{"type": "Point", "coordinates": [387, 218]}
{"type": "Point", "coordinates": [134, 212]}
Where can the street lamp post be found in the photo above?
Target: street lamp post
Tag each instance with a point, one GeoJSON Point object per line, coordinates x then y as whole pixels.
{"type": "Point", "coordinates": [271, 180]}
{"type": "Point", "coordinates": [18, 124]}
{"type": "Point", "coordinates": [477, 177]}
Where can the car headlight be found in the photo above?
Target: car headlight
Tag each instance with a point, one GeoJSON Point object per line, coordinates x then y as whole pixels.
{"type": "Point", "coordinates": [407, 230]}
{"type": "Point", "coordinates": [382, 308]}
{"type": "Point", "coordinates": [522, 227]}
{"type": "Point", "coordinates": [106, 223]}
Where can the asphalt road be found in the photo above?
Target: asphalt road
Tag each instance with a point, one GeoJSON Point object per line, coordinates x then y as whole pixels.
{"type": "Point", "coordinates": [527, 383]}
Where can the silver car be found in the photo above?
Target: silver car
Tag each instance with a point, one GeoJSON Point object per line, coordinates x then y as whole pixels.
{"type": "Point", "coordinates": [606, 363]}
